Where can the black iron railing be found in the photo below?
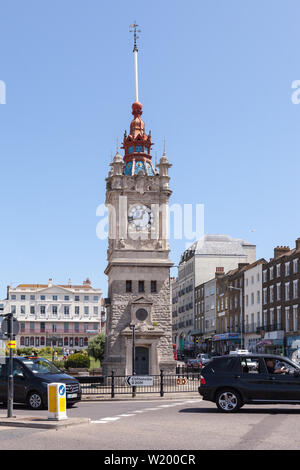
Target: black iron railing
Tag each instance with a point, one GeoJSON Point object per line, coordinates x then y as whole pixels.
{"type": "Point", "coordinates": [185, 380]}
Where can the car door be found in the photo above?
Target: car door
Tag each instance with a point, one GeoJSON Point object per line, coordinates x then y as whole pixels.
{"type": "Point", "coordinates": [3, 379]}
{"type": "Point", "coordinates": [19, 376]}
{"type": "Point", "coordinates": [253, 379]}
{"type": "Point", "coordinates": [284, 387]}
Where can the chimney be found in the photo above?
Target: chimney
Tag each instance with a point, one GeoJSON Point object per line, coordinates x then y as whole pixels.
{"type": "Point", "coordinates": [87, 282]}
{"type": "Point", "coordinates": [50, 283]}
{"type": "Point", "coordinates": [281, 250]}
{"type": "Point", "coordinates": [298, 244]}
{"type": "Point", "coordinates": [69, 282]}
{"type": "Point", "coordinates": [219, 271]}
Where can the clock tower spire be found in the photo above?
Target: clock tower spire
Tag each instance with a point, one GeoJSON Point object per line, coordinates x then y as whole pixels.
{"type": "Point", "coordinates": [138, 269]}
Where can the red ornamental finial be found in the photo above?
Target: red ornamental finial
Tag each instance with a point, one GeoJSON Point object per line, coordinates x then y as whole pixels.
{"type": "Point", "coordinates": [137, 108]}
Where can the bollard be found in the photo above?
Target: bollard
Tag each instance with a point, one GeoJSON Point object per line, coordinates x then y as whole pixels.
{"type": "Point", "coordinates": [57, 402]}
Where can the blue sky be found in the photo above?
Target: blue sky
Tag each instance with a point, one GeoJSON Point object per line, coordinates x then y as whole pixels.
{"type": "Point", "coordinates": [215, 79]}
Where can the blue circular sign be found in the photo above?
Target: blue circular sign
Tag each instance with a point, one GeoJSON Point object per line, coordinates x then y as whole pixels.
{"type": "Point", "coordinates": [61, 389]}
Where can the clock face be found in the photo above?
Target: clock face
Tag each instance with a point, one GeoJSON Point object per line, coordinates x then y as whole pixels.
{"type": "Point", "coordinates": [140, 217]}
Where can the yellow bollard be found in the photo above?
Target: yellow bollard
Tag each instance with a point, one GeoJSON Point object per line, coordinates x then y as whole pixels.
{"type": "Point", "coordinates": [57, 402]}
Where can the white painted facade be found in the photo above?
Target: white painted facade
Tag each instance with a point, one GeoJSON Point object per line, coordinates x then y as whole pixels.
{"type": "Point", "coordinates": [56, 315]}
{"type": "Point", "coordinates": [252, 306]}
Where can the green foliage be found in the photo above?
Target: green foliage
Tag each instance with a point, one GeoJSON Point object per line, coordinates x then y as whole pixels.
{"type": "Point", "coordinates": [77, 360]}
{"type": "Point", "coordinates": [96, 347]}
{"type": "Point", "coordinates": [29, 351]}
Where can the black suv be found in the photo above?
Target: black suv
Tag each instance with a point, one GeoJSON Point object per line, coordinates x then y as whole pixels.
{"type": "Point", "coordinates": [31, 378]}
{"type": "Point", "coordinates": [235, 380]}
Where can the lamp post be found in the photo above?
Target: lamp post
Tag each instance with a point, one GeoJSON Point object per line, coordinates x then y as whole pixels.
{"type": "Point", "coordinates": [132, 327]}
{"type": "Point", "coordinates": [241, 311]}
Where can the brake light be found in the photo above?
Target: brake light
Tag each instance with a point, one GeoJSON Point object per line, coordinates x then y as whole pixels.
{"type": "Point", "coordinates": [202, 380]}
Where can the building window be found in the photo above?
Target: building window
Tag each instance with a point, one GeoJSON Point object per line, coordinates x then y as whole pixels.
{"type": "Point", "coordinates": [287, 291]}
{"type": "Point", "coordinates": [265, 275]}
{"type": "Point", "coordinates": [66, 310]}
{"type": "Point", "coordinates": [278, 270]}
{"type": "Point", "coordinates": [32, 297]}
{"type": "Point", "coordinates": [278, 313]}
{"type": "Point", "coordinates": [32, 310]}
{"type": "Point", "coordinates": [54, 309]}
{"type": "Point", "coordinates": [13, 297]}
{"type": "Point", "coordinates": [66, 327]}
{"type": "Point", "coordinates": [43, 297]}
{"type": "Point", "coordinates": [153, 286]}
{"type": "Point", "coordinates": [54, 297]}
{"type": "Point", "coordinates": [86, 298]}
{"type": "Point", "coordinates": [86, 310]}
{"type": "Point", "coordinates": [278, 295]}
{"type": "Point", "coordinates": [287, 269]}
{"type": "Point", "coordinates": [31, 326]}
{"type": "Point", "coordinates": [295, 317]}
{"type": "Point", "coordinates": [271, 293]}
{"type": "Point", "coordinates": [76, 327]}
{"type": "Point", "coordinates": [42, 327]}
{"type": "Point", "coordinates": [42, 309]}
{"type": "Point", "coordinates": [287, 319]}
{"type": "Point", "coordinates": [23, 310]}
{"type": "Point", "coordinates": [295, 289]}
{"type": "Point", "coordinates": [54, 327]}
{"type": "Point", "coordinates": [258, 297]}
{"type": "Point", "coordinates": [271, 272]}
{"type": "Point", "coordinates": [128, 286]}
{"type": "Point", "coordinates": [295, 265]}
{"type": "Point", "coordinates": [95, 310]}
{"type": "Point", "coordinates": [96, 298]}
{"type": "Point", "coordinates": [67, 297]}
{"type": "Point", "coordinates": [77, 310]}
{"type": "Point", "coordinates": [76, 298]}
{"type": "Point", "coordinates": [23, 297]}
{"type": "Point", "coordinates": [265, 295]}
{"type": "Point", "coordinates": [141, 286]}
{"type": "Point", "coordinates": [13, 309]}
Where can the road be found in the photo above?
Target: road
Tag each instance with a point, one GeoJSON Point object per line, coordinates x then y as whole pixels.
{"type": "Point", "coordinates": [182, 424]}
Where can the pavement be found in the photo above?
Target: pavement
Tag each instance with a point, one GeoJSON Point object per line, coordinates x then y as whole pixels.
{"type": "Point", "coordinates": [44, 423]}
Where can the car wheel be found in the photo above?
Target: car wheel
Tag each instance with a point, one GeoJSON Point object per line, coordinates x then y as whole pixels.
{"type": "Point", "coordinates": [35, 401]}
{"type": "Point", "coordinates": [228, 401]}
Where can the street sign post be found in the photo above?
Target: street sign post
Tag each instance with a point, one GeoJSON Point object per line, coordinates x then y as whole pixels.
{"type": "Point", "coordinates": [140, 381]}
{"type": "Point", "coordinates": [9, 329]}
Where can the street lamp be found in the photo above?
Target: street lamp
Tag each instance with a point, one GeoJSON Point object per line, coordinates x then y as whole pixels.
{"type": "Point", "coordinates": [241, 310]}
{"type": "Point", "coordinates": [132, 327]}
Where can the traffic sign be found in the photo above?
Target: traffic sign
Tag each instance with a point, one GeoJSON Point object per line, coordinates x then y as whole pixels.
{"type": "Point", "coordinates": [11, 344]}
{"type": "Point", "coordinates": [181, 381]}
{"type": "Point", "coordinates": [140, 380]}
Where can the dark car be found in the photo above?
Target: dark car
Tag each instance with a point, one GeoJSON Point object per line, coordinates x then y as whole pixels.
{"type": "Point", "coordinates": [235, 380]}
{"type": "Point", "coordinates": [194, 364]}
{"type": "Point", "coordinates": [31, 378]}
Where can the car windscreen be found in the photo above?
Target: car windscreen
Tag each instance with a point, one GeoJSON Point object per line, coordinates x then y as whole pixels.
{"type": "Point", "coordinates": [41, 366]}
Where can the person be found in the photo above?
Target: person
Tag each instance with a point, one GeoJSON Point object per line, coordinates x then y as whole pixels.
{"type": "Point", "coordinates": [270, 363]}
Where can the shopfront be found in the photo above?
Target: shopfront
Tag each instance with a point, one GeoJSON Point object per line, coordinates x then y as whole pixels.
{"type": "Point", "coordinates": [225, 342]}
{"type": "Point", "coordinates": [272, 343]}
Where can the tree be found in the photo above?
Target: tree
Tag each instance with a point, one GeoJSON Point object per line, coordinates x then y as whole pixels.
{"type": "Point", "coordinates": [96, 347]}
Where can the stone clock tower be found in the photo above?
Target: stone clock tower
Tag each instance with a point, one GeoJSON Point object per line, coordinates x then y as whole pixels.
{"type": "Point", "coordinates": [138, 269]}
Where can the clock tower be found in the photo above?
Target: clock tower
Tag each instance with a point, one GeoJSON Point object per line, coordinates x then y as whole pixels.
{"type": "Point", "coordinates": [138, 269]}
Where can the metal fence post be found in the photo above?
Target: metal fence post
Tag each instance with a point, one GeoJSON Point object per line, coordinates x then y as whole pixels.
{"type": "Point", "coordinates": [112, 384]}
{"type": "Point", "coordinates": [161, 383]}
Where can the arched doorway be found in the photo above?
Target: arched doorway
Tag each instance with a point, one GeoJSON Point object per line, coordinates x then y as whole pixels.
{"type": "Point", "coordinates": [141, 360]}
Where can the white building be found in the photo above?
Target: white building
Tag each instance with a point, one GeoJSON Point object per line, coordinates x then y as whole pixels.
{"type": "Point", "coordinates": [198, 265]}
{"type": "Point", "coordinates": [56, 315]}
{"type": "Point", "coordinates": [253, 304]}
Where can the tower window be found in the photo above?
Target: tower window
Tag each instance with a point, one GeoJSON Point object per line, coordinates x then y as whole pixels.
{"type": "Point", "coordinates": [141, 286]}
{"type": "Point", "coordinates": [128, 286]}
{"type": "Point", "coordinates": [130, 149]}
{"type": "Point", "coordinates": [138, 148]}
{"type": "Point", "coordinates": [153, 286]}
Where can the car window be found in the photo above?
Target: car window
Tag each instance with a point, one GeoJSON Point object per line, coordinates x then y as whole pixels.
{"type": "Point", "coordinates": [2, 367]}
{"type": "Point", "coordinates": [225, 364]}
{"type": "Point", "coordinates": [250, 365]}
{"type": "Point", "coordinates": [41, 366]}
{"type": "Point", "coordinates": [278, 364]}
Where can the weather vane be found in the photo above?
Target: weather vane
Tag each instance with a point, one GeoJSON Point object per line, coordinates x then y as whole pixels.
{"type": "Point", "coordinates": [133, 28]}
